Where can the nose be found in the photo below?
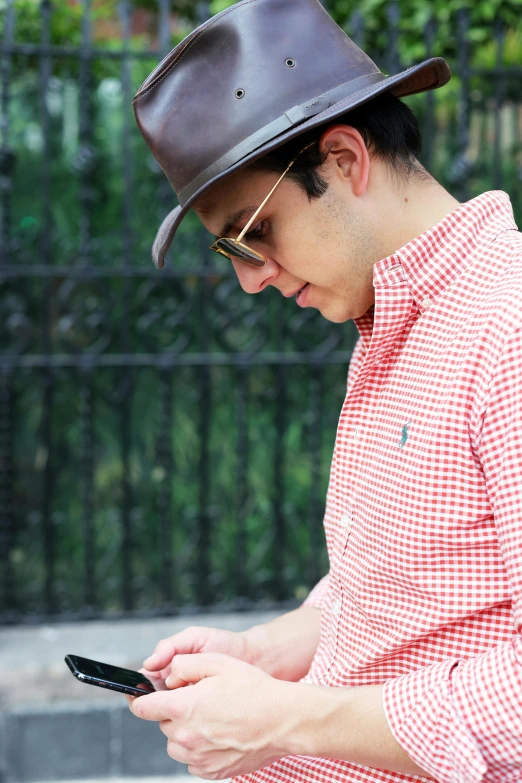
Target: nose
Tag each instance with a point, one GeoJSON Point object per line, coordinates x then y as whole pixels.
{"type": "Point", "coordinates": [254, 279]}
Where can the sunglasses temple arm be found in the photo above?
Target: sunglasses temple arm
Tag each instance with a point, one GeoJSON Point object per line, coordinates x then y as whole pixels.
{"type": "Point", "coordinates": [260, 207]}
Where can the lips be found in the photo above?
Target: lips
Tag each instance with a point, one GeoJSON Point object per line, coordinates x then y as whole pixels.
{"type": "Point", "coordinates": [301, 294]}
{"type": "Point", "coordinates": [296, 292]}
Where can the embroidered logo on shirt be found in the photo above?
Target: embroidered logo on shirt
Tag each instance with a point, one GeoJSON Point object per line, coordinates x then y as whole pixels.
{"type": "Point", "coordinates": [405, 434]}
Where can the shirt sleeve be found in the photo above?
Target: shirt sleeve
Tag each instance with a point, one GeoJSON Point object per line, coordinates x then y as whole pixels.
{"type": "Point", "coordinates": [461, 719]}
{"type": "Point", "coordinates": [317, 596]}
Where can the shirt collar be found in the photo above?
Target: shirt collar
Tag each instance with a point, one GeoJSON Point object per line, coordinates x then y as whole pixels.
{"type": "Point", "coordinates": [425, 266]}
{"type": "Point", "coordinates": [432, 261]}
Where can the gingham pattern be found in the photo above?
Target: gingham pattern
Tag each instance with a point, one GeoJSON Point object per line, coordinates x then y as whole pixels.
{"type": "Point", "coordinates": [423, 519]}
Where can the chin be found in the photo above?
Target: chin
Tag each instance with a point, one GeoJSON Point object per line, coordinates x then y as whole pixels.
{"type": "Point", "coordinates": [335, 316]}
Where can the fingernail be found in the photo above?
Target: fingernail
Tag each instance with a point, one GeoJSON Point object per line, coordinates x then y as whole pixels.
{"type": "Point", "coordinates": [151, 660]}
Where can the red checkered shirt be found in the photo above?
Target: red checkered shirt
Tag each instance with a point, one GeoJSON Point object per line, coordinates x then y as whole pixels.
{"type": "Point", "coordinates": [423, 518]}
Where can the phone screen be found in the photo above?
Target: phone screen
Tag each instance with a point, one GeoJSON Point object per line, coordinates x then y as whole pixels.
{"type": "Point", "coordinates": [105, 675]}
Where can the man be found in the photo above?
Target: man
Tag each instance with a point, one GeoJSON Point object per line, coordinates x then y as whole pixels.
{"type": "Point", "coordinates": [405, 661]}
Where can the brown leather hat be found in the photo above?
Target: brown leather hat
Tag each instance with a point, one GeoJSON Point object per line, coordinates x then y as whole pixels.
{"type": "Point", "coordinates": [248, 80]}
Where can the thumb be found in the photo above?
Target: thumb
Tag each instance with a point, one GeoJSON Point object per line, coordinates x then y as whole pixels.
{"type": "Point", "coordinates": [187, 669]}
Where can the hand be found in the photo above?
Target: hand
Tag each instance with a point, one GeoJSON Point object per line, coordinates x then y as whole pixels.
{"type": "Point", "coordinates": [235, 720]}
{"type": "Point", "coordinates": [197, 639]}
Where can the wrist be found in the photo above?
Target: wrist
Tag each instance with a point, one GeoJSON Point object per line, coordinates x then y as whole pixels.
{"type": "Point", "coordinates": [345, 723]}
{"type": "Point", "coordinates": [312, 719]}
{"type": "Point", "coordinates": [285, 646]}
{"type": "Point", "coordinates": [256, 645]}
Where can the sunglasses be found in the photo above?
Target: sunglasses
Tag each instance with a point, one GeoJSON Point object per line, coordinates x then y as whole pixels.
{"type": "Point", "coordinates": [237, 250]}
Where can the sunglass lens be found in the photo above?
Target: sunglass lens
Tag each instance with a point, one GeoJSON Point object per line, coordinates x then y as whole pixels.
{"type": "Point", "coordinates": [241, 252]}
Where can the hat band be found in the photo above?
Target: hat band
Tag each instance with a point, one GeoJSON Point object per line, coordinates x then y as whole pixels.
{"type": "Point", "coordinates": [287, 120]}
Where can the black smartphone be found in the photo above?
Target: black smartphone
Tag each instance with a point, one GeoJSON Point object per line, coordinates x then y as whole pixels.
{"type": "Point", "coordinates": [104, 675]}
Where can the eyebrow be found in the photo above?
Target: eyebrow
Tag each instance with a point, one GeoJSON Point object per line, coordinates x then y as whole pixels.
{"type": "Point", "coordinates": [235, 217]}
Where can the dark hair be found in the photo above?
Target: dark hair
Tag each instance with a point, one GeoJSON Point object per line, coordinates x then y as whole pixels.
{"type": "Point", "coordinates": [389, 129]}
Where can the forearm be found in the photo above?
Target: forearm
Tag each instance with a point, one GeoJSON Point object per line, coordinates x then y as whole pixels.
{"type": "Point", "coordinates": [349, 724]}
{"type": "Point", "coordinates": [285, 647]}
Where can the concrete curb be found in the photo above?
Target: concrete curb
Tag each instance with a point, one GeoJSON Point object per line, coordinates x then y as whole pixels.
{"type": "Point", "coordinates": [83, 741]}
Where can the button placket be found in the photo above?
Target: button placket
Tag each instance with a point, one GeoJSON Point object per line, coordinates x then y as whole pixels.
{"type": "Point", "coordinates": [335, 610]}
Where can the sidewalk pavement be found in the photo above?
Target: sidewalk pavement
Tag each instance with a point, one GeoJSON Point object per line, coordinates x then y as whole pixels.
{"type": "Point", "coordinates": [55, 729]}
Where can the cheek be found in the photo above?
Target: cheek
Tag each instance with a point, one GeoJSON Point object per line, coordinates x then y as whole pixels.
{"type": "Point", "coordinates": [315, 248]}
{"type": "Point", "coordinates": [299, 245]}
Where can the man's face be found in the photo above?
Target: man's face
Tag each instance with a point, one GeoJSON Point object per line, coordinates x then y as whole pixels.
{"type": "Point", "coordinates": [324, 244]}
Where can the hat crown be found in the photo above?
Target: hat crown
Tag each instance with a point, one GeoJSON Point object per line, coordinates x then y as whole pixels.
{"type": "Point", "coordinates": [237, 73]}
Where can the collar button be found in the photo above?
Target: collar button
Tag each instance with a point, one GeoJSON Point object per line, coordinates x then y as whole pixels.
{"type": "Point", "coordinates": [426, 303]}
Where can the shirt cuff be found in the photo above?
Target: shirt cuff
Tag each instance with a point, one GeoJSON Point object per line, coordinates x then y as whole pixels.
{"type": "Point", "coordinates": [423, 718]}
{"type": "Point", "coordinates": [317, 596]}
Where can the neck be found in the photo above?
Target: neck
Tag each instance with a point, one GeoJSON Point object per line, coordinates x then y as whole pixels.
{"type": "Point", "coordinates": [411, 210]}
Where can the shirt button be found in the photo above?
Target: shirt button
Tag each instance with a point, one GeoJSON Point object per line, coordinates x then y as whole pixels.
{"type": "Point", "coordinates": [427, 303]}
{"type": "Point", "coordinates": [346, 521]}
{"type": "Point", "coordinates": [336, 607]}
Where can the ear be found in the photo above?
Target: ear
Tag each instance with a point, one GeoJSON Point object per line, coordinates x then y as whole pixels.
{"type": "Point", "coordinates": [348, 157]}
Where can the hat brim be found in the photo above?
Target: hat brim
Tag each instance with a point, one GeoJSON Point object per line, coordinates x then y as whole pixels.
{"type": "Point", "coordinates": [427, 75]}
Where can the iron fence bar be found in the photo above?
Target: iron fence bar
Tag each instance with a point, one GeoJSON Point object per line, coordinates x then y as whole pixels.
{"type": "Point", "coordinates": [516, 118]}
{"type": "Point", "coordinates": [85, 159]}
{"type": "Point", "coordinates": [429, 100]}
{"type": "Point", "coordinates": [243, 587]}
{"type": "Point", "coordinates": [6, 155]}
{"type": "Point", "coordinates": [127, 380]}
{"type": "Point", "coordinates": [48, 492]}
{"type": "Point", "coordinates": [278, 512]}
{"type": "Point", "coordinates": [316, 429]}
{"type": "Point", "coordinates": [164, 360]}
{"type": "Point", "coordinates": [203, 559]}
{"type": "Point", "coordinates": [93, 53]}
{"type": "Point", "coordinates": [498, 33]}
{"type": "Point", "coordinates": [127, 227]}
{"type": "Point", "coordinates": [8, 595]}
{"type": "Point", "coordinates": [222, 607]}
{"type": "Point", "coordinates": [164, 27]}
{"type": "Point", "coordinates": [156, 54]}
{"type": "Point", "coordinates": [166, 196]}
{"type": "Point", "coordinates": [461, 164]}
{"type": "Point", "coordinates": [127, 543]}
{"type": "Point", "coordinates": [356, 28]}
{"type": "Point", "coordinates": [205, 402]}
{"type": "Point", "coordinates": [48, 375]}
{"type": "Point", "coordinates": [205, 389]}
{"type": "Point", "coordinates": [393, 63]}
{"type": "Point", "coordinates": [166, 465]}
{"type": "Point", "coordinates": [93, 272]}
{"type": "Point", "coordinates": [87, 466]}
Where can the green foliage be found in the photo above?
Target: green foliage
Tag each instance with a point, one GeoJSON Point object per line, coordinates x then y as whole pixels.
{"type": "Point", "coordinates": [89, 171]}
{"type": "Point", "coordinates": [413, 18]}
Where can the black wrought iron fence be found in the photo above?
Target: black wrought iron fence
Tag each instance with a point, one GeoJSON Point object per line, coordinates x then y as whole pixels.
{"type": "Point", "coordinates": [164, 439]}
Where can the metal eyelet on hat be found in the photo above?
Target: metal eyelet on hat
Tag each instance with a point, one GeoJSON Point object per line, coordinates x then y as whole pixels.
{"type": "Point", "coordinates": [290, 63]}
{"type": "Point", "coordinates": [240, 93]}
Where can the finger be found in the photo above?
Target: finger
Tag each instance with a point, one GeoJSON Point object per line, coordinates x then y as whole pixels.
{"type": "Point", "coordinates": [178, 752]}
{"type": "Point", "coordinates": [165, 672]}
{"type": "Point", "coordinates": [189, 669]}
{"type": "Point", "coordinates": [150, 675]}
{"type": "Point", "coordinates": [184, 642]}
{"type": "Point", "coordinates": [160, 705]}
